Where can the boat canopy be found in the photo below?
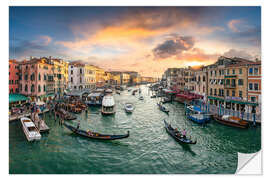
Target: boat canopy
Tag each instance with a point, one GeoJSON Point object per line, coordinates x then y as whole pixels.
{"type": "Point", "coordinates": [108, 101]}
{"type": "Point", "coordinates": [29, 124]}
{"type": "Point", "coordinates": [168, 91]}
{"type": "Point", "coordinates": [17, 97]}
{"type": "Point", "coordinates": [96, 94]}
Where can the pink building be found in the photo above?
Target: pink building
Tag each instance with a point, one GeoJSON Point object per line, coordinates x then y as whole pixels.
{"type": "Point", "coordinates": [13, 76]}
{"type": "Point", "coordinates": [35, 78]}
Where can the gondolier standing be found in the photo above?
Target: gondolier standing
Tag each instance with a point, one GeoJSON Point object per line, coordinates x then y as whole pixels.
{"type": "Point", "coordinates": [78, 125]}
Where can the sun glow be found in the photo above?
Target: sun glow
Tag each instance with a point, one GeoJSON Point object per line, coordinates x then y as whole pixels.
{"type": "Point", "coordinates": [194, 63]}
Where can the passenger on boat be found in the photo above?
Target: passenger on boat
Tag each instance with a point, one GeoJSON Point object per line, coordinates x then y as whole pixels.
{"type": "Point", "coordinates": [184, 133]}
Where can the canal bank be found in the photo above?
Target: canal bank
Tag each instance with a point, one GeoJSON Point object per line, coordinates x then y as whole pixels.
{"type": "Point", "coordinates": [148, 150]}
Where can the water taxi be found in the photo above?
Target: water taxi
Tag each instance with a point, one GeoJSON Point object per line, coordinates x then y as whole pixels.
{"type": "Point", "coordinates": [30, 130]}
{"type": "Point", "coordinates": [231, 121]}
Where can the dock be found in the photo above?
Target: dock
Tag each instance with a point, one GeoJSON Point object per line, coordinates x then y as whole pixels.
{"type": "Point", "coordinates": [28, 114]}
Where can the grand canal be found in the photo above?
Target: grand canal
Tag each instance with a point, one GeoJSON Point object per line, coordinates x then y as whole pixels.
{"type": "Point", "coordinates": [148, 150]}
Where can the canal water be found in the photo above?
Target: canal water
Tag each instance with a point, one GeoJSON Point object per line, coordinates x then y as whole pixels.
{"type": "Point", "coordinates": [148, 150]}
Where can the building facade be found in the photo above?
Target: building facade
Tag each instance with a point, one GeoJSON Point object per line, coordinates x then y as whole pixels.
{"type": "Point", "coordinates": [13, 76]}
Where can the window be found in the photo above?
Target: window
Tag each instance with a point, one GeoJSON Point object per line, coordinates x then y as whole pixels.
{"type": "Point", "coordinates": [256, 86]}
{"type": "Point", "coordinates": [32, 88]}
{"type": "Point", "coordinates": [256, 71]}
{"type": "Point", "coordinates": [39, 89]}
{"type": "Point", "coordinates": [233, 71]}
{"type": "Point", "coordinates": [39, 77]}
{"type": "Point", "coordinates": [228, 93]}
{"type": "Point", "coordinates": [203, 78]}
{"type": "Point", "coordinates": [233, 93]}
{"type": "Point", "coordinates": [26, 88]}
{"type": "Point", "coordinates": [250, 71]}
{"type": "Point", "coordinates": [45, 77]}
{"type": "Point", "coordinates": [211, 91]}
{"type": "Point", "coordinates": [44, 88]}
{"type": "Point", "coordinates": [222, 92]}
{"type": "Point", "coordinates": [240, 82]}
{"type": "Point", "coordinates": [211, 73]}
{"type": "Point", "coordinates": [80, 80]}
{"type": "Point", "coordinates": [253, 99]}
{"type": "Point", "coordinates": [228, 71]}
{"type": "Point", "coordinates": [240, 93]}
{"type": "Point", "coordinates": [227, 82]}
{"type": "Point", "coordinates": [233, 82]}
{"type": "Point", "coordinates": [71, 79]}
{"type": "Point", "coordinates": [71, 72]}
{"type": "Point", "coordinates": [80, 71]}
{"type": "Point", "coordinates": [240, 71]}
{"type": "Point", "coordinates": [26, 77]}
{"type": "Point", "coordinates": [250, 85]}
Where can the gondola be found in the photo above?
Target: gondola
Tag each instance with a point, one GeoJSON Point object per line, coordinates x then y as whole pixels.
{"type": "Point", "coordinates": [95, 135]}
{"type": "Point", "coordinates": [153, 96]}
{"type": "Point", "coordinates": [163, 108]}
{"type": "Point", "coordinates": [176, 135]}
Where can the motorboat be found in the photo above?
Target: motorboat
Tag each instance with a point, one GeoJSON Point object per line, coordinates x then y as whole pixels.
{"type": "Point", "coordinates": [30, 130]}
{"type": "Point", "coordinates": [129, 107]}
{"type": "Point", "coordinates": [141, 98]}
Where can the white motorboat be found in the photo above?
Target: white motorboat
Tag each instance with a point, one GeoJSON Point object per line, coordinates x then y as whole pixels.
{"type": "Point", "coordinates": [129, 107]}
{"type": "Point", "coordinates": [141, 98]}
{"type": "Point", "coordinates": [108, 104]}
{"type": "Point", "coordinates": [29, 129]}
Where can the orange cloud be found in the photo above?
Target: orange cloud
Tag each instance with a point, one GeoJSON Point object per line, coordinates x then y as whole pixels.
{"type": "Point", "coordinates": [233, 25]}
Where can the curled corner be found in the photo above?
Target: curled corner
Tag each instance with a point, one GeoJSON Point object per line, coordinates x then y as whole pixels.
{"type": "Point", "coordinates": [249, 163]}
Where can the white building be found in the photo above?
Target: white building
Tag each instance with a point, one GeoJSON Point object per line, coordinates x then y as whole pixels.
{"type": "Point", "coordinates": [81, 76]}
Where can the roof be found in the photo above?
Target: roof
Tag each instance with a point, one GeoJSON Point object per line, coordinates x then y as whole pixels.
{"type": "Point", "coordinates": [94, 94]}
{"type": "Point", "coordinates": [17, 98]}
{"type": "Point", "coordinates": [108, 101]}
{"type": "Point", "coordinates": [29, 124]}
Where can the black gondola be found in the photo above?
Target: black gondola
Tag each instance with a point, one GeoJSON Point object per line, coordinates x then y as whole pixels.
{"type": "Point", "coordinates": [176, 135]}
{"type": "Point", "coordinates": [95, 135]}
{"type": "Point", "coordinates": [163, 108]}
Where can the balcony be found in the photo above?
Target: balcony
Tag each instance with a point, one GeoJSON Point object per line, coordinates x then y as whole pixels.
{"type": "Point", "coordinates": [230, 86]}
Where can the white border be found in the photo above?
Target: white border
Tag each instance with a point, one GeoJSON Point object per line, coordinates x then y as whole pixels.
{"type": "Point", "coordinates": [4, 71]}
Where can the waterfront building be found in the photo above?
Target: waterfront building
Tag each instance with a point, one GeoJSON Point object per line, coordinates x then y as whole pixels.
{"type": "Point", "coordinates": [81, 76]}
{"type": "Point", "coordinates": [100, 77]}
{"type": "Point", "coordinates": [13, 76]}
{"type": "Point", "coordinates": [189, 78]}
{"type": "Point", "coordinates": [254, 86]}
{"type": "Point", "coordinates": [35, 76]}
{"type": "Point", "coordinates": [60, 74]}
{"type": "Point", "coordinates": [125, 78]}
{"type": "Point", "coordinates": [201, 85]}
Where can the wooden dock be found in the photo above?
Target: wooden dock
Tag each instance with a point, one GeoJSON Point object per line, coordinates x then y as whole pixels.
{"type": "Point", "coordinates": [17, 117]}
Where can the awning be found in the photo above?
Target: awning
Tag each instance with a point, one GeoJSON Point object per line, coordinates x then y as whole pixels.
{"type": "Point", "coordinates": [215, 98]}
{"type": "Point", "coordinates": [17, 97]}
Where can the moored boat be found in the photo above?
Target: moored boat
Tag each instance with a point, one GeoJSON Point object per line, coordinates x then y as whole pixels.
{"type": "Point", "coordinates": [153, 96]}
{"type": "Point", "coordinates": [231, 121]}
{"type": "Point", "coordinates": [141, 98]}
{"type": "Point", "coordinates": [95, 135]}
{"type": "Point", "coordinates": [66, 115]}
{"type": "Point", "coordinates": [30, 130]}
{"type": "Point", "coordinates": [195, 114]}
{"type": "Point", "coordinates": [129, 107]}
{"type": "Point", "coordinates": [177, 135]}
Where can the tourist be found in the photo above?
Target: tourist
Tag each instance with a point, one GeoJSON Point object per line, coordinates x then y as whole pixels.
{"type": "Point", "coordinates": [184, 133]}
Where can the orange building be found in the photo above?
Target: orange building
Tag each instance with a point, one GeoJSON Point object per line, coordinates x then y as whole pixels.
{"type": "Point", "coordinates": [13, 76]}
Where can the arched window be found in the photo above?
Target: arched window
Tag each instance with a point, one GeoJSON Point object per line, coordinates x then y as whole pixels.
{"type": "Point", "coordinates": [39, 89]}
{"type": "Point", "coordinates": [39, 77]}
{"type": "Point", "coordinates": [33, 88]}
{"type": "Point", "coordinates": [26, 88]}
{"type": "Point", "coordinates": [44, 88]}
{"type": "Point", "coordinates": [44, 77]}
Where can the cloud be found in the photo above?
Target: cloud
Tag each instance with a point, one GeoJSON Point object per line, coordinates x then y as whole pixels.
{"type": "Point", "coordinates": [233, 24]}
{"type": "Point", "coordinates": [173, 46]}
{"type": "Point", "coordinates": [239, 53]}
{"type": "Point", "coordinates": [45, 40]}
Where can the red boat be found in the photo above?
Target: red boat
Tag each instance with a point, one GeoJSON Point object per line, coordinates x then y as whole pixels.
{"type": "Point", "coordinates": [231, 121]}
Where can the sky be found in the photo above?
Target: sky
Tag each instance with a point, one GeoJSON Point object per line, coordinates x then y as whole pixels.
{"type": "Point", "coordinates": [144, 39]}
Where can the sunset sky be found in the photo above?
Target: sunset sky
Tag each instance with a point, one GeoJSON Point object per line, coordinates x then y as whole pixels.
{"type": "Point", "coordinates": [144, 39]}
